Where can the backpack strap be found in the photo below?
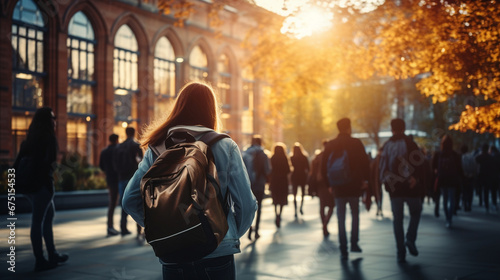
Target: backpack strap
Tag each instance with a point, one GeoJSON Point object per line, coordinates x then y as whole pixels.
{"type": "Point", "coordinates": [212, 137]}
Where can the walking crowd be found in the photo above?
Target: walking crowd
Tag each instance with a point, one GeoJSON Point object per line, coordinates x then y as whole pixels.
{"type": "Point", "coordinates": [340, 174]}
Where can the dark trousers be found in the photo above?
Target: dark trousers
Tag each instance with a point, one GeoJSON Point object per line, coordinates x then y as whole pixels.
{"type": "Point", "coordinates": [397, 205]}
{"type": "Point", "coordinates": [448, 202]}
{"type": "Point", "coordinates": [113, 200]}
{"type": "Point", "coordinates": [259, 195]}
{"type": "Point", "coordinates": [341, 209]}
{"type": "Point", "coordinates": [42, 204]}
{"type": "Point", "coordinates": [467, 194]}
{"type": "Point", "coordinates": [487, 186]}
{"type": "Point", "coordinates": [205, 269]}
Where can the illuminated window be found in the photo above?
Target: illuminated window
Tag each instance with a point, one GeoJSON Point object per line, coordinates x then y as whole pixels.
{"type": "Point", "coordinates": [248, 95]}
{"type": "Point", "coordinates": [81, 85]}
{"type": "Point", "coordinates": [27, 39]}
{"type": "Point", "coordinates": [224, 82]}
{"type": "Point", "coordinates": [125, 75]}
{"type": "Point", "coordinates": [199, 65]}
{"type": "Point", "coordinates": [164, 72]}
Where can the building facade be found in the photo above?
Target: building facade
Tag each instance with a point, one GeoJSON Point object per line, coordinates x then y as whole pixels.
{"type": "Point", "coordinates": [106, 65]}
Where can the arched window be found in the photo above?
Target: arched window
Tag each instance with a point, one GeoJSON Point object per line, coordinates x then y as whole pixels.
{"type": "Point", "coordinates": [199, 65]}
{"type": "Point", "coordinates": [164, 72]}
{"type": "Point", "coordinates": [224, 82]}
{"type": "Point", "coordinates": [27, 39]}
{"type": "Point", "coordinates": [81, 45]}
{"type": "Point", "coordinates": [248, 96]}
{"type": "Point", "coordinates": [27, 60]}
{"type": "Point", "coordinates": [125, 78]}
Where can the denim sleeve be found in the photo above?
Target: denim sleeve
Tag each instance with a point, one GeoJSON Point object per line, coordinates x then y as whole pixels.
{"type": "Point", "coordinates": [132, 197]}
{"type": "Point", "coordinates": [244, 201]}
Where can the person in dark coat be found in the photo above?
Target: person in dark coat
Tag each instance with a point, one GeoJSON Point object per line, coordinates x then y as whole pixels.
{"type": "Point", "coordinates": [41, 145]}
{"type": "Point", "coordinates": [486, 175]}
{"type": "Point", "coordinates": [350, 191]}
{"type": "Point", "coordinates": [447, 166]}
{"type": "Point", "coordinates": [106, 165]}
{"type": "Point", "coordinates": [280, 169]}
{"type": "Point", "coordinates": [319, 184]}
{"type": "Point", "coordinates": [300, 165]}
{"type": "Point", "coordinates": [127, 156]}
{"type": "Point", "coordinates": [401, 172]}
{"type": "Point", "coordinates": [258, 169]}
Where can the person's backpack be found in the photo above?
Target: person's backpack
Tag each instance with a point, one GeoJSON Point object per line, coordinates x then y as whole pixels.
{"type": "Point", "coordinates": [338, 169]}
{"type": "Point", "coordinates": [185, 215]}
{"type": "Point", "coordinates": [249, 161]}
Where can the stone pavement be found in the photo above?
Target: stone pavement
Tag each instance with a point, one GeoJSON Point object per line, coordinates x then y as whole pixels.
{"type": "Point", "coordinates": [470, 250]}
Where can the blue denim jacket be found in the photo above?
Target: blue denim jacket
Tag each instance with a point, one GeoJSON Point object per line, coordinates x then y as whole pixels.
{"type": "Point", "coordinates": [232, 176]}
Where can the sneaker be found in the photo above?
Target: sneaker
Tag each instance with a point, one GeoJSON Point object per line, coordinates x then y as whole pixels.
{"type": "Point", "coordinates": [44, 265]}
{"type": "Point", "coordinates": [412, 248]}
{"type": "Point", "coordinates": [125, 232]}
{"type": "Point", "coordinates": [112, 232]}
{"type": "Point", "coordinates": [356, 249]}
{"type": "Point", "coordinates": [401, 259]}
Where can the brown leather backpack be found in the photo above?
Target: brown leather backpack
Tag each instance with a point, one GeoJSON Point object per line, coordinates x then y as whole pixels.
{"type": "Point", "coordinates": [185, 214]}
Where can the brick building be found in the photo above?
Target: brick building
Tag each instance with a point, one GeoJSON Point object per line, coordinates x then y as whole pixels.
{"type": "Point", "coordinates": [103, 65]}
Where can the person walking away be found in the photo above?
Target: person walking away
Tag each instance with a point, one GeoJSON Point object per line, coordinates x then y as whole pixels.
{"type": "Point", "coordinates": [300, 165]}
{"type": "Point", "coordinates": [496, 178]}
{"type": "Point", "coordinates": [469, 168]}
{"type": "Point", "coordinates": [280, 169]}
{"type": "Point", "coordinates": [195, 111]}
{"type": "Point", "coordinates": [106, 165]}
{"type": "Point", "coordinates": [126, 159]}
{"type": "Point", "coordinates": [41, 146]}
{"type": "Point", "coordinates": [326, 199]}
{"type": "Point", "coordinates": [375, 184]}
{"type": "Point", "coordinates": [401, 172]}
{"type": "Point", "coordinates": [355, 164]}
{"type": "Point", "coordinates": [486, 175]}
{"type": "Point", "coordinates": [258, 169]}
{"type": "Point", "coordinates": [447, 166]}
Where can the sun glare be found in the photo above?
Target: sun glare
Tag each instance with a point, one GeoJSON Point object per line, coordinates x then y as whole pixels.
{"type": "Point", "coordinates": [309, 20]}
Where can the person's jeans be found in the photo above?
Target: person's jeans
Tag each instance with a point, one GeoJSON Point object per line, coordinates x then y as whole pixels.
{"type": "Point", "coordinates": [397, 205]}
{"type": "Point", "coordinates": [448, 202]}
{"type": "Point", "coordinates": [42, 204]}
{"type": "Point", "coordinates": [341, 209]}
{"type": "Point", "coordinates": [122, 184]}
{"type": "Point", "coordinates": [206, 269]}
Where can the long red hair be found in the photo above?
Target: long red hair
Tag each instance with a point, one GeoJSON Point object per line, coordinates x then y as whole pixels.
{"type": "Point", "coordinates": [196, 104]}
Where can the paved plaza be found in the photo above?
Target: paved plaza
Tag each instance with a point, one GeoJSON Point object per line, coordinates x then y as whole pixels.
{"type": "Point", "coordinates": [470, 250]}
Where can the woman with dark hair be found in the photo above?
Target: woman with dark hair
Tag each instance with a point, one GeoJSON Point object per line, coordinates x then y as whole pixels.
{"type": "Point", "coordinates": [195, 111]}
{"type": "Point", "coordinates": [280, 168]}
{"type": "Point", "coordinates": [300, 165]}
{"type": "Point", "coordinates": [447, 166]}
{"type": "Point", "coordinates": [41, 146]}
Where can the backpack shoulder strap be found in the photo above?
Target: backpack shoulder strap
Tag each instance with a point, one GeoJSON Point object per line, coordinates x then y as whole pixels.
{"type": "Point", "coordinates": [212, 137]}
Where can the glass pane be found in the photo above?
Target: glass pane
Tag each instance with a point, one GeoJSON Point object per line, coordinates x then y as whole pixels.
{"type": "Point", "coordinates": [31, 56]}
{"type": "Point", "coordinates": [15, 51]}
{"type": "Point", "coordinates": [27, 11]}
{"type": "Point", "coordinates": [22, 53]}
{"type": "Point", "coordinates": [198, 58]}
{"type": "Point", "coordinates": [80, 26]}
{"type": "Point", "coordinates": [39, 63]}
{"type": "Point", "coordinates": [22, 31]}
{"type": "Point", "coordinates": [223, 65]}
{"type": "Point", "coordinates": [39, 35]}
{"type": "Point", "coordinates": [31, 33]}
{"type": "Point", "coordinates": [83, 66]}
{"type": "Point", "coordinates": [164, 49]}
{"type": "Point", "coordinates": [125, 39]}
{"type": "Point", "coordinates": [91, 67]}
{"type": "Point", "coordinates": [74, 64]}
